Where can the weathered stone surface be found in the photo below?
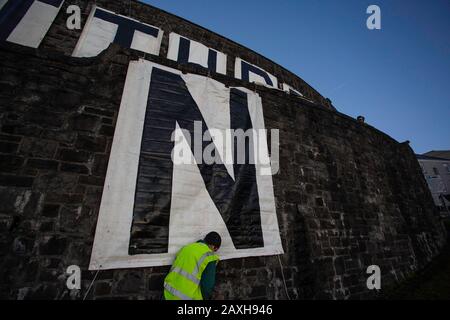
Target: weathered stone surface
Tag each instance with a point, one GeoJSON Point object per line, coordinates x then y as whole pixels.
{"type": "Point", "coordinates": [8, 147]}
{"type": "Point", "coordinates": [15, 181]}
{"type": "Point", "coordinates": [155, 282]}
{"type": "Point", "coordinates": [76, 168]}
{"type": "Point", "coordinates": [56, 183]}
{"type": "Point", "coordinates": [50, 210]}
{"type": "Point", "coordinates": [103, 288]}
{"type": "Point", "coordinates": [71, 155]}
{"type": "Point", "coordinates": [39, 148]}
{"type": "Point", "coordinates": [84, 122]}
{"type": "Point", "coordinates": [42, 164]}
{"type": "Point", "coordinates": [53, 245]}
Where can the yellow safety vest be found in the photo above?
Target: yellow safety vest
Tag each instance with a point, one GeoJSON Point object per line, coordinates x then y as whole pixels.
{"type": "Point", "coordinates": [183, 280]}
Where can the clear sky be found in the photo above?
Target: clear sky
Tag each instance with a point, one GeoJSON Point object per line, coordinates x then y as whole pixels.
{"type": "Point", "coordinates": [397, 77]}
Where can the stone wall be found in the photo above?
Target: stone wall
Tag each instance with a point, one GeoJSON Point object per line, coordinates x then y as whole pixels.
{"type": "Point", "coordinates": [347, 195]}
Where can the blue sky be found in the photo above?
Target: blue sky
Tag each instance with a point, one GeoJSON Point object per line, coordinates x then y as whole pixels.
{"type": "Point", "coordinates": [397, 77]}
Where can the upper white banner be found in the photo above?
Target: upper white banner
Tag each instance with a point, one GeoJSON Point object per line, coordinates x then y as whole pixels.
{"type": "Point", "coordinates": [26, 22]}
{"type": "Point", "coordinates": [104, 27]}
{"type": "Point", "coordinates": [185, 50]}
{"type": "Point", "coordinates": [248, 72]}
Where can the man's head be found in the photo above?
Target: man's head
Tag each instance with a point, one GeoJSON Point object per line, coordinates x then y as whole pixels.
{"type": "Point", "coordinates": [213, 240]}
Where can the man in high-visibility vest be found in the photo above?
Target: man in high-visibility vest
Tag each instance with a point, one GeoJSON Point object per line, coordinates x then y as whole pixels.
{"type": "Point", "coordinates": [193, 273]}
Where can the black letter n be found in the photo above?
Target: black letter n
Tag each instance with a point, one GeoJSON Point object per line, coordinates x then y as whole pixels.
{"type": "Point", "coordinates": [237, 200]}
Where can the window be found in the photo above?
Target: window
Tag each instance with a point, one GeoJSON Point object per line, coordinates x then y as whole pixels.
{"type": "Point", "coordinates": [447, 167]}
{"type": "Point", "coordinates": [423, 168]}
{"type": "Point", "coordinates": [435, 170]}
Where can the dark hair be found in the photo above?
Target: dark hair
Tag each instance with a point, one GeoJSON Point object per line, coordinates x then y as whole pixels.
{"type": "Point", "coordinates": [213, 238]}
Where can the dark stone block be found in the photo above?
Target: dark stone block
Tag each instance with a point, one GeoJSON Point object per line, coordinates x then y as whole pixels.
{"type": "Point", "coordinates": [107, 121]}
{"type": "Point", "coordinates": [63, 136]}
{"type": "Point", "coordinates": [156, 282]}
{"type": "Point", "coordinates": [46, 118]}
{"type": "Point", "coordinates": [66, 100]}
{"type": "Point", "coordinates": [131, 282]}
{"type": "Point", "coordinates": [292, 196]}
{"type": "Point", "coordinates": [50, 210]}
{"type": "Point", "coordinates": [16, 181]}
{"type": "Point", "coordinates": [47, 226]}
{"type": "Point", "coordinates": [103, 289]}
{"type": "Point", "coordinates": [4, 137]}
{"type": "Point", "coordinates": [84, 122]}
{"type": "Point", "coordinates": [54, 245]}
{"type": "Point", "coordinates": [66, 198]}
{"type": "Point", "coordinates": [327, 224]}
{"type": "Point", "coordinates": [253, 262]}
{"type": "Point", "coordinates": [71, 167]}
{"type": "Point", "coordinates": [43, 164]}
{"type": "Point", "coordinates": [351, 264]}
{"type": "Point", "coordinates": [339, 266]}
{"type": "Point", "coordinates": [8, 147]}
{"type": "Point", "coordinates": [91, 143]}
{"type": "Point", "coordinates": [71, 155]}
{"type": "Point", "coordinates": [52, 263]}
{"type": "Point", "coordinates": [107, 130]}
{"type": "Point", "coordinates": [259, 291]}
{"type": "Point", "coordinates": [31, 271]}
{"type": "Point", "coordinates": [39, 148]}
{"type": "Point", "coordinates": [43, 292]}
{"type": "Point", "coordinates": [90, 180]}
{"type": "Point", "coordinates": [5, 223]}
{"type": "Point", "coordinates": [22, 245]}
{"type": "Point", "coordinates": [100, 165]}
{"type": "Point", "coordinates": [309, 188]}
{"type": "Point", "coordinates": [9, 162]}
{"type": "Point", "coordinates": [48, 275]}
{"type": "Point", "coordinates": [56, 183]}
{"type": "Point", "coordinates": [21, 129]}
{"type": "Point", "coordinates": [100, 112]}
{"type": "Point", "coordinates": [319, 202]}
{"type": "Point", "coordinates": [231, 264]}
{"type": "Point", "coordinates": [74, 218]}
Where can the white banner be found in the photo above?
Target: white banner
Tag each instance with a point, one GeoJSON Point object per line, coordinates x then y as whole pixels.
{"type": "Point", "coordinates": [287, 88]}
{"type": "Point", "coordinates": [26, 22]}
{"type": "Point", "coordinates": [194, 206]}
{"type": "Point", "coordinates": [185, 50]}
{"type": "Point", "coordinates": [248, 72]}
{"type": "Point", "coordinates": [104, 27]}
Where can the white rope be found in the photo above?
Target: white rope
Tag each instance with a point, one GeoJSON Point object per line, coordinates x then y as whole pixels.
{"type": "Point", "coordinates": [284, 280]}
{"type": "Point", "coordinates": [92, 282]}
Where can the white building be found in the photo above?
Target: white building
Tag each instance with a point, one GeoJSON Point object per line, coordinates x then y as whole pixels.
{"type": "Point", "coordinates": [437, 174]}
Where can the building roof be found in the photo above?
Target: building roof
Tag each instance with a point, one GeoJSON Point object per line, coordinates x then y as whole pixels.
{"type": "Point", "coordinates": [424, 157]}
{"type": "Point", "coordinates": [444, 154]}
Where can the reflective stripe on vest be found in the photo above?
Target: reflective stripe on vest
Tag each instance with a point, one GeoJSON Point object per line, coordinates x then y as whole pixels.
{"type": "Point", "coordinates": [185, 274]}
{"type": "Point", "coordinates": [175, 292]}
{"type": "Point", "coordinates": [200, 261]}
